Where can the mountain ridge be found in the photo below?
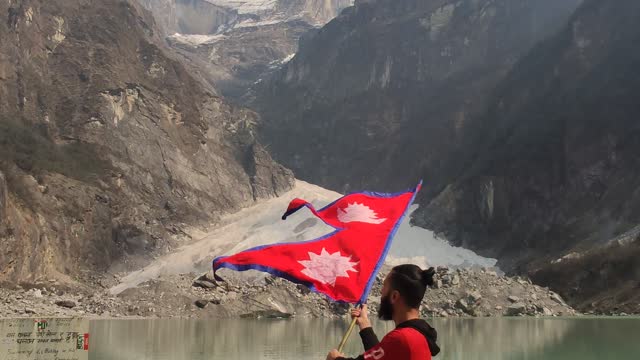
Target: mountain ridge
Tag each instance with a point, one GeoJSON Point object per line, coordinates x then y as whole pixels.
{"type": "Point", "coordinates": [111, 149]}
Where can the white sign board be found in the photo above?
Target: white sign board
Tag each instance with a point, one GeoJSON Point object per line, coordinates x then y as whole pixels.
{"type": "Point", "coordinates": [44, 339]}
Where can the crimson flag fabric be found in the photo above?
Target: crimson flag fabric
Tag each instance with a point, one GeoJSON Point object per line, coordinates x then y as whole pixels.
{"type": "Point", "coordinates": [342, 264]}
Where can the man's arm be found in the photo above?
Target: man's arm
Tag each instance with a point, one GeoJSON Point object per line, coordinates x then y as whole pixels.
{"type": "Point", "coordinates": [392, 347]}
{"type": "Point", "coordinates": [369, 338]}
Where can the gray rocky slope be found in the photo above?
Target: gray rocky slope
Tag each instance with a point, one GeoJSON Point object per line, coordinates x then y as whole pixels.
{"type": "Point", "coordinates": [109, 149]}
{"type": "Point", "coordinates": [459, 293]}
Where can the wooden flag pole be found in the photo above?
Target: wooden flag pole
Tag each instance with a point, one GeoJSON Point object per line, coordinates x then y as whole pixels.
{"type": "Point", "coordinates": [347, 334]}
{"type": "Point", "coordinates": [343, 342]}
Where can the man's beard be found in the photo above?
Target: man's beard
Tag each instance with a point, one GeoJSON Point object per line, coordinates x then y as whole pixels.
{"type": "Point", "coordinates": [385, 311]}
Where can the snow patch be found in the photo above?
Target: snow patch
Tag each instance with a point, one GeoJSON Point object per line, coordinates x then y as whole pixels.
{"type": "Point", "coordinates": [28, 15]}
{"type": "Point", "coordinates": [246, 6]}
{"type": "Point", "coordinates": [59, 35]}
{"type": "Point", "coordinates": [276, 64]}
{"type": "Point", "coordinates": [253, 23]}
{"type": "Point", "coordinates": [196, 40]}
{"type": "Point", "coordinates": [288, 58]}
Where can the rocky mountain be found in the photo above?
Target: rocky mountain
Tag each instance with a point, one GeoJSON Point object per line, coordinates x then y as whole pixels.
{"type": "Point", "coordinates": [522, 124]}
{"type": "Point", "coordinates": [205, 17]}
{"type": "Point", "coordinates": [520, 116]}
{"type": "Point", "coordinates": [392, 87]}
{"type": "Point", "coordinates": [234, 43]}
{"type": "Point", "coordinates": [552, 187]}
{"type": "Point", "coordinates": [109, 147]}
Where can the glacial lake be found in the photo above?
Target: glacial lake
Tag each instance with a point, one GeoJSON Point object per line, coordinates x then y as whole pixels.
{"type": "Point", "coordinates": [469, 339]}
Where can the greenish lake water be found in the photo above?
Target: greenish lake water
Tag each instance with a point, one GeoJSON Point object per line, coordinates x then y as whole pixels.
{"type": "Point", "coordinates": [469, 339]}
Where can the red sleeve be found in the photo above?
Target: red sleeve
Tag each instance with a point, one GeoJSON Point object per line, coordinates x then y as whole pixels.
{"type": "Point", "coordinates": [392, 347]}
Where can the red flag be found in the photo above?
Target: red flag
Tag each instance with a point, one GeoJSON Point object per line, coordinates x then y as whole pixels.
{"type": "Point", "coordinates": [342, 264]}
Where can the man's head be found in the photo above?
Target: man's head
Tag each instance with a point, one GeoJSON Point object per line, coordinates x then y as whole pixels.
{"type": "Point", "coordinates": [403, 289]}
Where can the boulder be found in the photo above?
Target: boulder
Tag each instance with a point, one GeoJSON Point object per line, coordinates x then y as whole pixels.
{"type": "Point", "coordinates": [513, 299]}
{"type": "Point", "coordinates": [474, 297]}
{"type": "Point", "coordinates": [69, 304]}
{"type": "Point", "coordinates": [555, 297]}
{"type": "Point", "coordinates": [438, 284]}
{"type": "Point", "coordinates": [231, 295]}
{"type": "Point", "coordinates": [463, 305]}
{"type": "Point", "coordinates": [205, 284]}
{"type": "Point", "coordinates": [36, 293]}
{"type": "Point", "coordinates": [201, 303]}
{"type": "Point", "coordinates": [455, 280]}
{"type": "Point", "coordinates": [516, 309]}
{"type": "Point", "coordinates": [303, 289]}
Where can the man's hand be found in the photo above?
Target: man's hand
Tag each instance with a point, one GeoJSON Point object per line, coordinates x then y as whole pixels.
{"type": "Point", "coordinates": [334, 354]}
{"type": "Point", "coordinates": [362, 319]}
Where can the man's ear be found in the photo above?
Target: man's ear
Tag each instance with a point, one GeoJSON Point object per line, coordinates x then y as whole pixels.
{"type": "Point", "coordinates": [395, 296]}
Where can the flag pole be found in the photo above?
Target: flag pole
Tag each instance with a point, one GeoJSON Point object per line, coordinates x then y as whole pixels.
{"type": "Point", "coordinates": [343, 342]}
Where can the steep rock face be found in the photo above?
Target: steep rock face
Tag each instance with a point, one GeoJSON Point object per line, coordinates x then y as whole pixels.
{"type": "Point", "coordinates": [315, 12]}
{"type": "Point", "coordinates": [554, 171]}
{"type": "Point", "coordinates": [232, 62]}
{"type": "Point", "coordinates": [108, 146]}
{"type": "Point", "coordinates": [164, 13]}
{"type": "Point", "coordinates": [190, 16]}
{"type": "Point", "coordinates": [384, 94]}
{"type": "Point", "coordinates": [234, 44]}
{"type": "Point", "coordinates": [207, 17]}
{"type": "Point", "coordinates": [201, 17]}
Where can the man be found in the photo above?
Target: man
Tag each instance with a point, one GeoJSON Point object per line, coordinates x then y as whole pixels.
{"type": "Point", "coordinates": [412, 339]}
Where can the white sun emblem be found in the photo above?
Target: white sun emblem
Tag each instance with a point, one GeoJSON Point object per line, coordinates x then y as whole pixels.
{"type": "Point", "coordinates": [326, 268]}
{"type": "Point", "coordinates": [360, 213]}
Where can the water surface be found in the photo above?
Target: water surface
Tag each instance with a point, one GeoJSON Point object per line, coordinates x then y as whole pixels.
{"type": "Point", "coordinates": [469, 339]}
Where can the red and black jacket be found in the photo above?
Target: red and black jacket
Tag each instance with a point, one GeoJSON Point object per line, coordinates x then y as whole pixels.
{"type": "Point", "coordinates": [411, 340]}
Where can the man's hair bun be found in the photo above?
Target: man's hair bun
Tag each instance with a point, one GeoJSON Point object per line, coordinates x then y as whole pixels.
{"type": "Point", "coordinates": [427, 276]}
